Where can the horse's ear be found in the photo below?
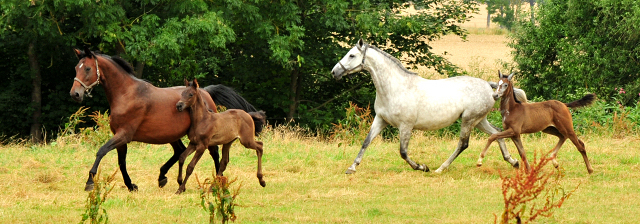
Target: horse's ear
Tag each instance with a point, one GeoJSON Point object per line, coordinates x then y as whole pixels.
{"type": "Point", "coordinates": [195, 83]}
{"type": "Point", "coordinates": [186, 82]}
{"type": "Point", "coordinates": [510, 76]}
{"type": "Point", "coordinates": [499, 74]}
{"type": "Point", "coordinates": [78, 53]}
{"type": "Point", "coordinates": [360, 43]}
{"type": "Point", "coordinates": [88, 52]}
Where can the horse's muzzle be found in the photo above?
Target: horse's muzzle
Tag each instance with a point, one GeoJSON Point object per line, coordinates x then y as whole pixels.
{"type": "Point", "coordinates": [337, 75]}
{"type": "Point", "coordinates": [180, 106]}
{"type": "Point", "coordinates": [77, 96]}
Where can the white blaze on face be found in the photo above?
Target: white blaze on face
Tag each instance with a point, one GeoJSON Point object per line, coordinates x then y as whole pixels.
{"type": "Point", "coordinates": [83, 64]}
{"type": "Point", "coordinates": [499, 87]}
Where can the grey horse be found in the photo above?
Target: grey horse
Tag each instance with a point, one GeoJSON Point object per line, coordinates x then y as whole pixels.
{"type": "Point", "coordinates": [408, 101]}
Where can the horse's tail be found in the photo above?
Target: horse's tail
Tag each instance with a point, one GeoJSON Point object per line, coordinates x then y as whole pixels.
{"type": "Point", "coordinates": [259, 120]}
{"type": "Point", "coordinates": [228, 97]}
{"type": "Point", "coordinates": [583, 102]}
{"type": "Point", "coordinates": [520, 94]}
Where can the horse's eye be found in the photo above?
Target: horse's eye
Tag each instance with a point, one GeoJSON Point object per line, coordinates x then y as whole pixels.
{"type": "Point", "coordinates": [190, 94]}
{"type": "Point", "coordinates": [351, 55]}
{"type": "Point", "coordinates": [87, 68]}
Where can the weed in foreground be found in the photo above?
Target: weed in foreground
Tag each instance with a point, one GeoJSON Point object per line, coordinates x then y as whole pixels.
{"type": "Point", "coordinates": [355, 126]}
{"type": "Point", "coordinates": [217, 199]}
{"type": "Point", "coordinates": [530, 195]}
{"type": "Point", "coordinates": [94, 212]}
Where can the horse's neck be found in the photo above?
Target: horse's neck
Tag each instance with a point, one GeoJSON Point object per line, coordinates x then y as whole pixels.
{"type": "Point", "coordinates": [508, 101]}
{"type": "Point", "coordinates": [115, 82]}
{"type": "Point", "coordinates": [387, 76]}
{"type": "Point", "coordinates": [198, 112]}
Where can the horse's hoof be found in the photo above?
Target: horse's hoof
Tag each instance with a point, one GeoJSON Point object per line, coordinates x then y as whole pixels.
{"type": "Point", "coordinates": [516, 165]}
{"type": "Point", "coordinates": [350, 171]}
{"type": "Point", "coordinates": [478, 164]}
{"type": "Point", "coordinates": [263, 184]}
{"type": "Point", "coordinates": [179, 191]}
{"type": "Point", "coordinates": [133, 188]}
{"type": "Point", "coordinates": [424, 168]}
{"type": "Point", "coordinates": [162, 183]}
{"type": "Point", "coordinates": [438, 171]}
{"type": "Point", "coordinates": [88, 187]}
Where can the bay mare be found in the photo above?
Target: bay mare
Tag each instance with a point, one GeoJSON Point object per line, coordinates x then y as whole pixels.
{"type": "Point", "coordinates": [408, 101]}
{"type": "Point", "coordinates": [552, 117]}
{"type": "Point", "coordinates": [140, 111]}
{"type": "Point", "coordinates": [209, 129]}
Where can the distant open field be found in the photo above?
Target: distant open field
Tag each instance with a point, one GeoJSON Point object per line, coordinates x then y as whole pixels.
{"type": "Point", "coordinates": [306, 183]}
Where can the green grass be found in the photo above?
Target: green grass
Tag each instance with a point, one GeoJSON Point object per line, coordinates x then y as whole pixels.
{"type": "Point", "coordinates": [306, 183]}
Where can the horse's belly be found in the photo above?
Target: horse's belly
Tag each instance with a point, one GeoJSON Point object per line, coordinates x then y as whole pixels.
{"type": "Point", "coordinates": [162, 131]}
{"type": "Point", "coordinates": [434, 122]}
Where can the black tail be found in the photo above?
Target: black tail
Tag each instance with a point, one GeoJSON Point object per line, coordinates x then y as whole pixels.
{"type": "Point", "coordinates": [259, 120]}
{"type": "Point", "coordinates": [226, 96]}
{"type": "Point", "coordinates": [585, 101]}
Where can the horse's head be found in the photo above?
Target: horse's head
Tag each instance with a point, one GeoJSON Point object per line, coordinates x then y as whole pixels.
{"type": "Point", "coordinates": [189, 95]}
{"type": "Point", "coordinates": [352, 62]}
{"type": "Point", "coordinates": [503, 84]}
{"type": "Point", "coordinates": [87, 74]}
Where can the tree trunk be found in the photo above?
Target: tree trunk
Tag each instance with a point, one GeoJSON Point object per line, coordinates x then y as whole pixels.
{"type": "Point", "coordinates": [531, 5]}
{"type": "Point", "coordinates": [36, 95]}
{"type": "Point", "coordinates": [138, 69]}
{"type": "Point", "coordinates": [488, 14]}
{"type": "Point", "coordinates": [293, 94]}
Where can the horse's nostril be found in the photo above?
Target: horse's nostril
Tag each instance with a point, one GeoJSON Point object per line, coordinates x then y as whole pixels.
{"type": "Point", "coordinates": [77, 94]}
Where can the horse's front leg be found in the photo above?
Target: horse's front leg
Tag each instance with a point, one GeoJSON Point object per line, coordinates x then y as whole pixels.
{"type": "Point", "coordinates": [213, 151]}
{"type": "Point", "coordinates": [122, 163]}
{"type": "Point", "coordinates": [497, 136]}
{"type": "Point", "coordinates": [405, 135]}
{"type": "Point", "coordinates": [199, 151]}
{"type": "Point", "coordinates": [117, 140]}
{"type": "Point", "coordinates": [488, 128]}
{"type": "Point", "coordinates": [183, 157]}
{"type": "Point", "coordinates": [523, 154]}
{"type": "Point", "coordinates": [178, 149]}
{"type": "Point", "coordinates": [377, 126]}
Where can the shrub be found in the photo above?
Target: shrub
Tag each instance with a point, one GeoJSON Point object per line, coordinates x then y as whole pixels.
{"type": "Point", "coordinates": [530, 195]}
{"type": "Point", "coordinates": [217, 199]}
{"type": "Point", "coordinates": [94, 212]}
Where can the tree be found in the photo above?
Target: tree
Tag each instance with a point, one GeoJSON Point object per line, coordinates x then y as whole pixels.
{"type": "Point", "coordinates": [580, 46]}
{"type": "Point", "coordinates": [278, 54]}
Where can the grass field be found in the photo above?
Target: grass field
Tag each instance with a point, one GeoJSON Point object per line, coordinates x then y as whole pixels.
{"type": "Point", "coordinates": [306, 183]}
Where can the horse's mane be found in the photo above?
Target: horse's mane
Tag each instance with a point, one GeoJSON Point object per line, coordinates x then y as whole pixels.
{"type": "Point", "coordinates": [123, 64]}
{"type": "Point", "coordinates": [393, 59]}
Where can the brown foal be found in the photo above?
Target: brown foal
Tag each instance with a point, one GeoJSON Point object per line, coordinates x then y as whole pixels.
{"type": "Point", "coordinates": [209, 128]}
{"type": "Point", "coordinates": [551, 117]}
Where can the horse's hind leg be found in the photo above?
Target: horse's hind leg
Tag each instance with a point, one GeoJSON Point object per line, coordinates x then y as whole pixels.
{"type": "Point", "coordinates": [256, 145]}
{"type": "Point", "coordinates": [213, 151]}
{"type": "Point", "coordinates": [405, 136]}
{"type": "Point", "coordinates": [377, 126]}
{"type": "Point", "coordinates": [580, 145]}
{"type": "Point", "coordinates": [488, 128]}
{"type": "Point", "coordinates": [561, 139]}
{"type": "Point", "coordinates": [122, 163]}
{"type": "Point", "coordinates": [224, 161]}
{"type": "Point", "coordinates": [465, 131]}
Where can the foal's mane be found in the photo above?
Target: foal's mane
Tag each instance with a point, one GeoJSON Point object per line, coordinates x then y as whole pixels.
{"type": "Point", "coordinates": [393, 59]}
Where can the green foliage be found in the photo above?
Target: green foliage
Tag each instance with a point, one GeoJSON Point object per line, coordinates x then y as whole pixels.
{"type": "Point", "coordinates": [580, 46]}
{"type": "Point", "coordinates": [94, 212]}
{"type": "Point", "coordinates": [217, 199]}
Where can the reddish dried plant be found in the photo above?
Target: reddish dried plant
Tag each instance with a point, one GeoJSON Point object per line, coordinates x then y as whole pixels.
{"type": "Point", "coordinates": [528, 196]}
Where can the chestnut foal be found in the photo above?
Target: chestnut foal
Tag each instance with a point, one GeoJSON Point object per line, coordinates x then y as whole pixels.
{"type": "Point", "coordinates": [551, 117]}
{"type": "Point", "coordinates": [209, 128]}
